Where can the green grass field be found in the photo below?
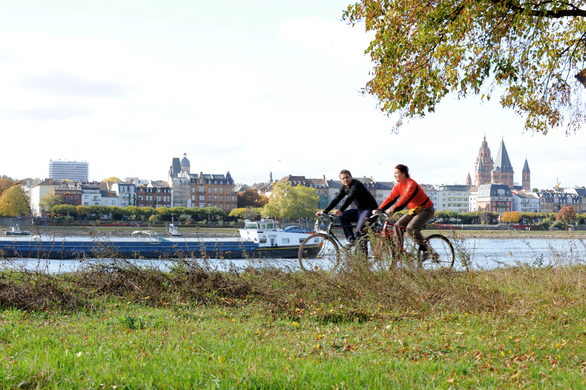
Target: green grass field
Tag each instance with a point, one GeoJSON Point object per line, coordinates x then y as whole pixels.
{"type": "Point", "coordinates": [126, 328]}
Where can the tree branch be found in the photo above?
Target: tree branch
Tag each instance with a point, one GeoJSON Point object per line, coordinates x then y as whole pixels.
{"type": "Point", "coordinates": [562, 13]}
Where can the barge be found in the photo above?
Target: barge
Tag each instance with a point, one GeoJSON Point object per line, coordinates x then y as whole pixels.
{"type": "Point", "coordinates": [262, 239]}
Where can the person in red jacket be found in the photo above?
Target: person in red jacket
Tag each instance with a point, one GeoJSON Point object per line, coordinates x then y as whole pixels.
{"type": "Point", "coordinates": [408, 194]}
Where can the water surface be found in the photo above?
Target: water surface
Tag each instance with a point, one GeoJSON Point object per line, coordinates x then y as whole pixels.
{"type": "Point", "coordinates": [479, 253]}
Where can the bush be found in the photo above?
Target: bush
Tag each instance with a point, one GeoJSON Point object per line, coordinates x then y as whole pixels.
{"type": "Point", "coordinates": [545, 223]}
{"type": "Point", "coordinates": [559, 225]}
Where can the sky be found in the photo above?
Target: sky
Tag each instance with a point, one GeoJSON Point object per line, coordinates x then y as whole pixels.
{"type": "Point", "coordinates": [250, 87]}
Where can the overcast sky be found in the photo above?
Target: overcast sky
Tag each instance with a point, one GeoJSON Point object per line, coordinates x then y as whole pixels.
{"type": "Point", "coordinates": [247, 87]}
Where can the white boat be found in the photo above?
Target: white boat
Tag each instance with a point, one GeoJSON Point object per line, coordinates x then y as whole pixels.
{"type": "Point", "coordinates": [15, 231]}
{"type": "Point", "coordinates": [266, 233]}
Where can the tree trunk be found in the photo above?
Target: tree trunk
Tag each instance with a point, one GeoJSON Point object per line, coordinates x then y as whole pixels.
{"type": "Point", "coordinates": [581, 76]}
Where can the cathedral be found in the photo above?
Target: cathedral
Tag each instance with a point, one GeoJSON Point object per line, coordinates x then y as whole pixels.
{"type": "Point", "coordinates": [499, 171]}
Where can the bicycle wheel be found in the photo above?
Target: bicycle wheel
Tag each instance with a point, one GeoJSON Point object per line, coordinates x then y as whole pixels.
{"type": "Point", "coordinates": [384, 252]}
{"type": "Point", "coordinates": [319, 252]}
{"type": "Point", "coordinates": [439, 255]}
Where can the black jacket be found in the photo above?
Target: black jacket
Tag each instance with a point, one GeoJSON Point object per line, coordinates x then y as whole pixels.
{"type": "Point", "coordinates": [356, 193]}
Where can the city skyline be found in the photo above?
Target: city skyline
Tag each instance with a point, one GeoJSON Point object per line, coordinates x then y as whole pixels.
{"type": "Point", "coordinates": [260, 88]}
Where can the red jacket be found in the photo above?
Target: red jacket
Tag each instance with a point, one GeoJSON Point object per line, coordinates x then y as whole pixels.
{"type": "Point", "coordinates": [406, 194]}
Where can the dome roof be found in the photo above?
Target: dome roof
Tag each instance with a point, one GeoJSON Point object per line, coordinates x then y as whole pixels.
{"type": "Point", "coordinates": [185, 162]}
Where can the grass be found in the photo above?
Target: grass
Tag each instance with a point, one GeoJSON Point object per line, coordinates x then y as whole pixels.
{"type": "Point", "coordinates": [124, 327]}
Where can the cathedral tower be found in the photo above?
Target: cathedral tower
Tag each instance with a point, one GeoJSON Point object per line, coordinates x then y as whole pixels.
{"type": "Point", "coordinates": [483, 166]}
{"type": "Point", "coordinates": [503, 170]}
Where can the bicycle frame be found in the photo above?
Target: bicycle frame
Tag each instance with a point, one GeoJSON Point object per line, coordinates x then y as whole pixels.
{"type": "Point", "coordinates": [326, 220]}
{"type": "Point", "coordinates": [385, 229]}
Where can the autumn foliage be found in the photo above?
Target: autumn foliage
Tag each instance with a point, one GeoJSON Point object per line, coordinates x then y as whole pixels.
{"type": "Point", "coordinates": [567, 215]}
{"type": "Point", "coordinates": [511, 217]}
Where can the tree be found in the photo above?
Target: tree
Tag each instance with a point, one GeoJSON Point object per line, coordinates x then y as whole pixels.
{"type": "Point", "coordinates": [528, 51]}
{"type": "Point", "coordinates": [291, 202]}
{"type": "Point", "coordinates": [112, 180]}
{"type": "Point", "coordinates": [245, 213]}
{"type": "Point", "coordinates": [250, 198]}
{"type": "Point", "coordinates": [49, 201]}
{"type": "Point", "coordinates": [5, 183]}
{"type": "Point", "coordinates": [82, 211]}
{"type": "Point", "coordinates": [214, 214]}
{"type": "Point", "coordinates": [567, 215]}
{"type": "Point", "coordinates": [488, 217]}
{"type": "Point", "coordinates": [65, 210]}
{"type": "Point", "coordinates": [446, 216]}
{"type": "Point", "coordinates": [14, 202]}
{"type": "Point", "coordinates": [511, 217]}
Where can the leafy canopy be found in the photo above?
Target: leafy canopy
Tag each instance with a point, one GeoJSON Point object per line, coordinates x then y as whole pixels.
{"type": "Point", "coordinates": [531, 52]}
{"type": "Point", "coordinates": [567, 215]}
{"type": "Point", "coordinates": [14, 202]}
{"type": "Point", "coordinates": [511, 217]}
{"type": "Point", "coordinates": [291, 202]}
{"type": "Point", "coordinates": [250, 198]}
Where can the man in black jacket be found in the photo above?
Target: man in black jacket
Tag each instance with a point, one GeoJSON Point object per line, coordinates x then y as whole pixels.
{"type": "Point", "coordinates": [353, 191]}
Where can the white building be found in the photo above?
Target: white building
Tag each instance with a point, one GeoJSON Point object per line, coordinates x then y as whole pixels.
{"type": "Point", "coordinates": [126, 193]}
{"type": "Point", "coordinates": [473, 201]}
{"type": "Point", "coordinates": [431, 193]}
{"type": "Point", "coordinates": [525, 202]}
{"type": "Point", "coordinates": [453, 198]}
{"type": "Point", "coordinates": [38, 192]}
{"type": "Point", "coordinates": [109, 198]}
{"type": "Point", "coordinates": [68, 170]}
{"type": "Point", "coordinates": [91, 195]}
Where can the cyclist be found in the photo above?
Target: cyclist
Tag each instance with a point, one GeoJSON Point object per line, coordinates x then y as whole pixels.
{"type": "Point", "coordinates": [354, 192]}
{"type": "Point", "coordinates": [407, 193]}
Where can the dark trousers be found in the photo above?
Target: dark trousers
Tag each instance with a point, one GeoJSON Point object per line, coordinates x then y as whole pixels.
{"type": "Point", "coordinates": [354, 215]}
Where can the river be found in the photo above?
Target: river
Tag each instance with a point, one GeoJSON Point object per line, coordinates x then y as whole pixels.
{"type": "Point", "coordinates": [479, 253]}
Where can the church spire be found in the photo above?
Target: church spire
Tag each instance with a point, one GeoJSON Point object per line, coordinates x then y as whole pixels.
{"type": "Point", "coordinates": [526, 177]}
{"type": "Point", "coordinates": [503, 170]}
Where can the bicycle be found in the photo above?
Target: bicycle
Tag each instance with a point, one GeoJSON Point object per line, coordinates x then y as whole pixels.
{"type": "Point", "coordinates": [321, 250]}
{"type": "Point", "coordinates": [439, 253]}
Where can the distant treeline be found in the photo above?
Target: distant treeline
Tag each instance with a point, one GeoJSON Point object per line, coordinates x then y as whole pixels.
{"type": "Point", "coordinates": [69, 213]}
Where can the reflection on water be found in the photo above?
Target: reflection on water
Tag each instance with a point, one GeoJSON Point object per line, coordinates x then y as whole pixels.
{"type": "Point", "coordinates": [482, 253]}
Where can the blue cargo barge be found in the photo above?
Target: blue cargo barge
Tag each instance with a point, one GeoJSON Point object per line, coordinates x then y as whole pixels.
{"type": "Point", "coordinates": [257, 240]}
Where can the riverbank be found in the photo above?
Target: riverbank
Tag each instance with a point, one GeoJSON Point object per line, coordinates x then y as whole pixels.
{"type": "Point", "coordinates": [544, 234]}
{"type": "Point", "coordinates": [233, 232]}
{"type": "Point", "coordinates": [120, 231]}
{"type": "Point", "coordinates": [126, 328]}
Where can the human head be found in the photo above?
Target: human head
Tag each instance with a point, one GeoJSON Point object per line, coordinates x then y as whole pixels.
{"type": "Point", "coordinates": [401, 172]}
{"type": "Point", "coordinates": [345, 177]}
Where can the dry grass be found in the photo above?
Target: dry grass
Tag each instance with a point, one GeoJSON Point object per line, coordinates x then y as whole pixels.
{"type": "Point", "coordinates": [354, 293]}
{"type": "Point", "coordinates": [38, 292]}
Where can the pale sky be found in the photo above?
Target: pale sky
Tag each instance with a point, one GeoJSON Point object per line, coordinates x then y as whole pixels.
{"type": "Point", "coordinates": [247, 87]}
